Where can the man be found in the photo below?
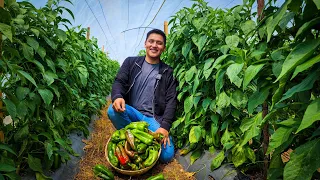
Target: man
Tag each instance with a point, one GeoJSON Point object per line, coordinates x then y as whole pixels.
{"type": "Point", "coordinates": [145, 90]}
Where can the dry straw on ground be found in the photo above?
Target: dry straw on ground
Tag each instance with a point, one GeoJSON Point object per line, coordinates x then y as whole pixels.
{"type": "Point", "coordinates": [94, 154]}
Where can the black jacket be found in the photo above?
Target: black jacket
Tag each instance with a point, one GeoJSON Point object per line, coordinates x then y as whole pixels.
{"type": "Point", "coordinates": [165, 97]}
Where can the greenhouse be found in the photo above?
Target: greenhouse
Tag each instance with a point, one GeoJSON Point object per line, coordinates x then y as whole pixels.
{"type": "Point", "coordinates": [159, 89]}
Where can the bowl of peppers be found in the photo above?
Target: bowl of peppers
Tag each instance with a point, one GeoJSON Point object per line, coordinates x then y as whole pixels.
{"type": "Point", "coordinates": [134, 149]}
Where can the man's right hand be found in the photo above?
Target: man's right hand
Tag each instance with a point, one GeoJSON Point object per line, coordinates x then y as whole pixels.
{"type": "Point", "coordinates": [119, 105]}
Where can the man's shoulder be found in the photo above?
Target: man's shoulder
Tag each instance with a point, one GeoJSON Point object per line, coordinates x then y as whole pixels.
{"type": "Point", "coordinates": [134, 59]}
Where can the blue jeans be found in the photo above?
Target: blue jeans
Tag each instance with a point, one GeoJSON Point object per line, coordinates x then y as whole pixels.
{"type": "Point", "coordinates": [120, 120]}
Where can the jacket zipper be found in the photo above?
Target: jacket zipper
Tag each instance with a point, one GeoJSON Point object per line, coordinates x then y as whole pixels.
{"type": "Point", "coordinates": [134, 80]}
{"type": "Point", "coordinates": [153, 106]}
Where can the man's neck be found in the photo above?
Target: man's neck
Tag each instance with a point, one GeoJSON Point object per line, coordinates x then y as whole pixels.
{"type": "Point", "coordinates": [152, 60]}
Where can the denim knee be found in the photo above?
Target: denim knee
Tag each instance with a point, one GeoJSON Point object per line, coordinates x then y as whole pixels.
{"type": "Point", "coordinates": [167, 154]}
{"type": "Point", "coordinates": [110, 112]}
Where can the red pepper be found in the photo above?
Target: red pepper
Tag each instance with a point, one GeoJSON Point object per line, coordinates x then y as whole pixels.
{"type": "Point", "coordinates": [121, 155]}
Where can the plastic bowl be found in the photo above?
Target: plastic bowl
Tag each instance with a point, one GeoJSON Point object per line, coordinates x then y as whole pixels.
{"type": "Point", "coordinates": [129, 172]}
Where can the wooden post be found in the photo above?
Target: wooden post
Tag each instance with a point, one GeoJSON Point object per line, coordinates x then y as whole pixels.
{"type": "Point", "coordinates": [265, 130]}
{"type": "Point", "coordinates": [166, 27]}
{"type": "Point", "coordinates": [88, 33]}
{"type": "Point", "coordinates": [260, 9]}
{"type": "Point", "coordinates": [102, 48]}
{"type": "Point", "coordinates": [1, 113]}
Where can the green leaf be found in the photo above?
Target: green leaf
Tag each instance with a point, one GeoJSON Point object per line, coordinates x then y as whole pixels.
{"type": "Point", "coordinates": [271, 25]}
{"type": "Point", "coordinates": [223, 100]}
{"type": "Point", "coordinates": [199, 41]}
{"type": "Point", "coordinates": [298, 55]}
{"type": "Point", "coordinates": [307, 26]}
{"type": "Point", "coordinates": [227, 139]}
{"type": "Point", "coordinates": [49, 77]}
{"type": "Point", "coordinates": [6, 30]}
{"type": "Point", "coordinates": [306, 65]}
{"type": "Point", "coordinates": [22, 133]}
{"type": "Point", "coordinates": [196, 83]}
{"type": "Point", "coordinates": [48, 147]}
{"type": "Point", "coordinates": [254, 129]}
{"type": "Point", "coordinates": [232, 41]}
{"type": "Point", "coordinates": [208, 64]}
{"type": "Point", "coordinates": [317, 2]}
{"type": "Point", "coordinates": [37, 63]}
{"type": "Point", "coordinates": [6, 167]}
{"type": "Point", "coordinates": [58, 115]}
{"type": "Point", "coordinates": [61, 35]}
{"type": "Point", "coordinates": [206, 102]}
{"type": "Point", "coordinates": [219, 80]}
{"type": "Point", "coordinates": [190, 73]}
{"type": "Point", "coordinates": [46, 95]}
{"type": "Point", "coordinates": [27, 76]}
{"type": "Point", "coordinates": [34, 163]}
{"type": "Point", "coordinates": [27, 51]}
{"type": "Point", "coordinates": [35, 31]}
{"type": "Point", "coordinates": [232, 71]}
{"type": "Point", "coordinates": [195, 155]}
{"type": "Point", "coordinates": [280, 136]}
{"type": "Point", "coordinates": [7, 148]}
{"type": "Point", "coordinates": [238, 156]}
{"type": "Point", "coordinates": [250, 73]}
{"type": "Point", "coordinates": [288, 16]}
{"type": "Point", "coordinates": [83, 74]}
{"type": "Point", "coordinates": [311, 115]}
{"type": "Point", "coordinates": [42, 52]}
{"type": "Point", "coordinates": [22, 109]}
{"type": "Point", "coordinates": [257, 98]}
{"type": "Point", "coordinates": [305, 85]}
{"type": "Point", "coordinates": [219, 60]}
{"type": "Point", "coordinates": [230, 20]}
{"type": "Point", "coordinates": [188, 103]}
{"type": "Point", "coordinates": [186, 49]}
{"type": "Point", "coordinates": [33, 43]}
{"type": "Point", "coordinates": [304, 161]}
{"type": "Point", "coordinates": [250, 154]}
{"type": "Point", "coordinates": [50, 43]}
{"type": "Point", "coordinates": [248, 26]}
{"type": "Point", "coordinates": [11, 107]}
{"type": "Point", "coordinates": [195, 134]}
{"type": "Point", "coordinates": [216, 161]}
{"type": "Point", "coordinates": [239, 99]}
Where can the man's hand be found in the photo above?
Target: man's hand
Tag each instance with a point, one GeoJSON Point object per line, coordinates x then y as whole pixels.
{"type": "Point", "coordinates": [166, 138]}
{"type": "Point", "coordinates": [119, 105]}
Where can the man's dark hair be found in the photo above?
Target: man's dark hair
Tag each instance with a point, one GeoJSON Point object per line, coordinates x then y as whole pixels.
{"type": "Point", "coordinates": [158, 31]}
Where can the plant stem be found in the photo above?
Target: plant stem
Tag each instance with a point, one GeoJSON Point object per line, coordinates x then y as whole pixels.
{"type": "Point", "coordinates": [265, 141]}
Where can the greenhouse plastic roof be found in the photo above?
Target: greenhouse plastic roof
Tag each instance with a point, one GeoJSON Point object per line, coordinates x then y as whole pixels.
{"type": "Point", "coordinates": [108, 19]}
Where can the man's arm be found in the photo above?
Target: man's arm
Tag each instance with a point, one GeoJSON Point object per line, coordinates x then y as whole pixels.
{"type": "Point", "coordinates": [120, 84]}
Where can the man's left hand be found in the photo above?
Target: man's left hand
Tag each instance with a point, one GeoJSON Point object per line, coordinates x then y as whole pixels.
{"type": "Point", "coordinates": [165, 134]}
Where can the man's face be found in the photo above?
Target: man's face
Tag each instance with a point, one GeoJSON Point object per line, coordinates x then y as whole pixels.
{"type": "Point", "coordinates": [154, 45]}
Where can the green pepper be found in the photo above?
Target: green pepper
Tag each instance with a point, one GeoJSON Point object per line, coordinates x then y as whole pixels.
{"type": "Point", "coordinates": [153, 155]}
{"type": "Point", "coordinates": [116, 136]}
{"type": "Point", "coordinates": [111, 154]}
{"type": "Point", "coordinates": [145, 155]}
{"type": "Point", "coordinates": [141, 148]}
{"type": "Point", "coordinates": [142, 136]}
{"type": "Point", "coordinates": [136, 141]}
{"type": "Point", "coordinates": [131, 154]}
{"type": "Point", "coordinates": [141, 125]}
{"type": "Point", "coordinates": [157, 136]}
{"type": "Point", "coordinates": [56, 161]}
{"type": "Point", "coordinates": [122, 135]}
{"type": "Point", "coordinates": [157, 177]}
{"type": "Point", "coordinates": [133, 166]}
{"type": "Point", "coordinates": [103, 172]}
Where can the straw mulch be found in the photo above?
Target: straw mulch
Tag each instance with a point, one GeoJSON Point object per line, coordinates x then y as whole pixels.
{"type": "Point", "coordinates": [94, 154]}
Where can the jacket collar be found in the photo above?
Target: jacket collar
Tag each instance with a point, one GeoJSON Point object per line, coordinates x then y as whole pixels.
{"type": "Point", "coordinates": [162, 66]}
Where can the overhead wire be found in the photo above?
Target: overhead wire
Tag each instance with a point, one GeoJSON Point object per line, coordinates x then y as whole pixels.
{"type": "Point", "coordinates": [100, 26]}
{"type": "Point", "coordinates": [143, 23]}
{"type": "Point", "coordinates": [106, 20]}
{"type": "Point", "coordinates": [228, 3]}
{"type": "Point", "coordinates": [174, 9]}
{"type": "Point", "coordinates": [150, 23]}
{"type": "Point", "coordinates": [125, 44]}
